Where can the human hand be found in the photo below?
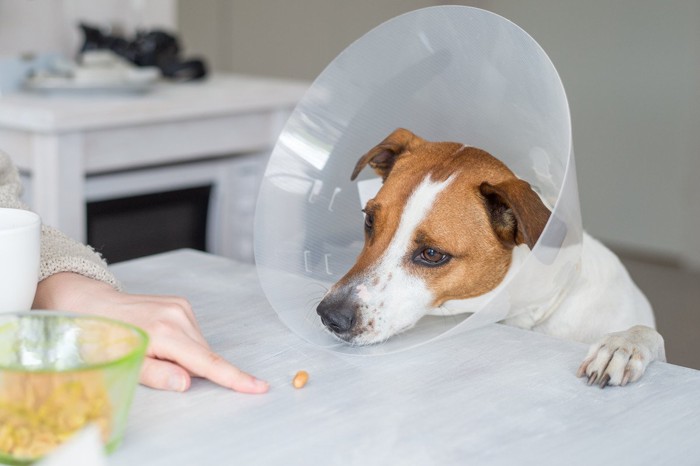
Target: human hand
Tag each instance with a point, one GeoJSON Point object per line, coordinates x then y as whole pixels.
{"type": "Point", "coordinates": [176, 351]}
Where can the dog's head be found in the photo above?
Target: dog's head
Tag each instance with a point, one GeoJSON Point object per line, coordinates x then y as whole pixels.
{"type": "Point", "coordinates": [441, 228]}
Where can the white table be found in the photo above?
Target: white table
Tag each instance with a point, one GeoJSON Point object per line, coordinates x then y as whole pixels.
{"type": "Point", "coordinates": [498, 395]}
{"type": "Point", "coordinates": [78, 148]}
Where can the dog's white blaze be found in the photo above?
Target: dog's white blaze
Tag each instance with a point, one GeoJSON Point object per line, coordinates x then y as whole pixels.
{"type": "Point", "coordinates": [417, 207]}
{"type": "Point", "coordinates": [393, 300]}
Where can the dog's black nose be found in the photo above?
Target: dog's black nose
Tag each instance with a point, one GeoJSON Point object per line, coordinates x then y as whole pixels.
{"type": "Point", "coordinates": [338, 318]}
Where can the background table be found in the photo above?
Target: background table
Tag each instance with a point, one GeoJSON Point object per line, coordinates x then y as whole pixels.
{"type": "Point", "coordinates": [77, 148]}
{"type": "Point", "coordinates": [497, 395]}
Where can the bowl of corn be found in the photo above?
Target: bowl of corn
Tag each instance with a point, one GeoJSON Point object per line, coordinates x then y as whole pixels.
{"type": "Point", "coordinates": [59, 373]}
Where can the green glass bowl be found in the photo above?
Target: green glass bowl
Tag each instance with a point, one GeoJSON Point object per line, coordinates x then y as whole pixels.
{"type": "Point", "coordinates": [60, 372]}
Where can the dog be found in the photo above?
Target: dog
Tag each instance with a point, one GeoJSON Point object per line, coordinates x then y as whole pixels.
{"type": "Point", "coordinates": [446, 227]}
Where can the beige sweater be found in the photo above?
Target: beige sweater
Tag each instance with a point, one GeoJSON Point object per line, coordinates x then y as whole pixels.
{"type": "Point", "coordinates": [59, 253]}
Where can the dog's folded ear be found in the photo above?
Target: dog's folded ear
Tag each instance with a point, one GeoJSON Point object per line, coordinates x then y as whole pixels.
{"type": "Point", "coordinates": [382, 157]}
{"type": "Point", "coordinates": [517, 213]}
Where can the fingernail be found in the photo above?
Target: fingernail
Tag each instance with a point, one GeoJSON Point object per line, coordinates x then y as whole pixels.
{"type": "Point", "coordinates": [261, 384]}
{"type": "Point", "coordinates": [177, 383]}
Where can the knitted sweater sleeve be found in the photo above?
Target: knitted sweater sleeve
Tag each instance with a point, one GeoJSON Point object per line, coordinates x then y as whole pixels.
{"type": "Point", "coordinates": [59, 253]}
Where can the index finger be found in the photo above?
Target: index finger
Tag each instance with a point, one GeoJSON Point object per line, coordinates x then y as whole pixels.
{"type": "Point", "coordinates": [203, 362]}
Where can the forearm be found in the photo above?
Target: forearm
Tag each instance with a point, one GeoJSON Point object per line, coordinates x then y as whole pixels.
{"type": "Point", "coordinates": [67, 291]}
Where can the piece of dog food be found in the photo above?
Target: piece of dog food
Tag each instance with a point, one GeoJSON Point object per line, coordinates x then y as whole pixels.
{"type": "Point", "coordinates": [300, 379]}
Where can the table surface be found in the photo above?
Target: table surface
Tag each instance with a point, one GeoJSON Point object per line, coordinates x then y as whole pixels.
{"type": "Point", "coordinates": [496, 395]}
{"type": "Point", "coordinates": [218, 94]}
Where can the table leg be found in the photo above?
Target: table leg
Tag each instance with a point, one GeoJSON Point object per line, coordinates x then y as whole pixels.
{"type": "Point", "coordinates": [58, 182]}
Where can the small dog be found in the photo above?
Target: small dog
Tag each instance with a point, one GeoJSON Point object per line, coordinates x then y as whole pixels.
{"type": "Point", "coordinates": [446, 226]}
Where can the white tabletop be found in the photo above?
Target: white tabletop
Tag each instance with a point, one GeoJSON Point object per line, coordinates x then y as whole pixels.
{"type": "Point", "coordinates": [497, 395]}
{"type": "Point", "coordinates": [218, 94]}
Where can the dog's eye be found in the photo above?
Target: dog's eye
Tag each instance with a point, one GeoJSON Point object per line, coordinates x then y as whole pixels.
{"type": "Point", "coordinates": [369, 221]}
{"type": "Point", "coordinates": [430, 256]}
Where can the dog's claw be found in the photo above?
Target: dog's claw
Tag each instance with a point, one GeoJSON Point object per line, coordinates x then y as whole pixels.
{"type": "Point", "coordinates": [592, 378]}
{"type": "Point", "coordinates": [604, 382]}
{"type": "Point", "coordinates": [625, 377]}
{"type": "Point", "coordinates": [582, 368]}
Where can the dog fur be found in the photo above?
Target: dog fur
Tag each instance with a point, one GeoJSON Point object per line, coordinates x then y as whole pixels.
{"type": "Point", "coordinates": [447, 226]}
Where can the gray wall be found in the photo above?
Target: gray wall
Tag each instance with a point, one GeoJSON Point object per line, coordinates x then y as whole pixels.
{"type": "Point", "coordinates": [293, 39]}
{"type": "Point", "coordinates": [631, 69]}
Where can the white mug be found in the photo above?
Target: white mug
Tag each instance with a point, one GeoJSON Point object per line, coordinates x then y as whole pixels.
{"type": "Point", "coordinates": [20, 243]}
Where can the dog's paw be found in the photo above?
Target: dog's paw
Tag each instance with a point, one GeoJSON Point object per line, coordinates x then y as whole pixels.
{"type": "Point", "coordinates": [622, 357]}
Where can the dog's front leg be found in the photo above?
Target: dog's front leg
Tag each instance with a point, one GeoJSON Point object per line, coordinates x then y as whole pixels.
{"type": "Point", "coordinates": [622, 357]}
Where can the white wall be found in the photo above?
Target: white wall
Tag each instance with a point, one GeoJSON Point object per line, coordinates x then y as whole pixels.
{"type": "Point", "coordinates": [39, 26]}
{"type": "Point", "coordinates": [631, 69]}
{"type": "Point", "coordinates": [294, 39]}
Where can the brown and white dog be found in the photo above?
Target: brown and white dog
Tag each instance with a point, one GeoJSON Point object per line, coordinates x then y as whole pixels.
{"type": "Point", "coordinates": [446, 226]}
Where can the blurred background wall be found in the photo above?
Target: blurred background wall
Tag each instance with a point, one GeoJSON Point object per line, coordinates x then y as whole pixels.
{"type": "Point", "coordinates": [631, 69]}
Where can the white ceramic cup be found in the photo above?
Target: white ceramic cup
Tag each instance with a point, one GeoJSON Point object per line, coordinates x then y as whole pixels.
{"type": "Point", "coordinates": [20, 243]}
